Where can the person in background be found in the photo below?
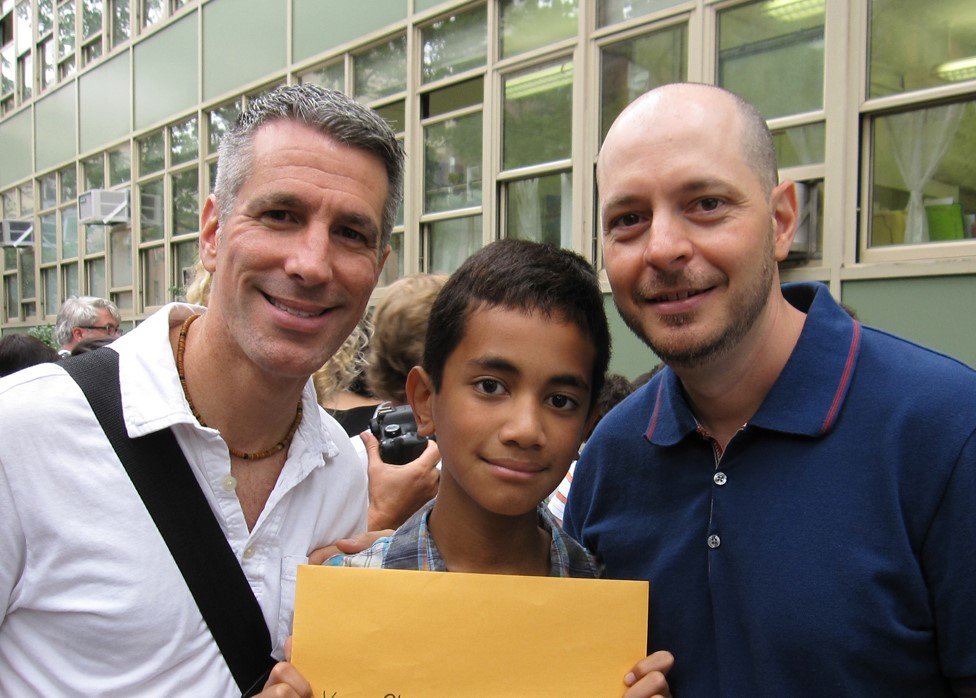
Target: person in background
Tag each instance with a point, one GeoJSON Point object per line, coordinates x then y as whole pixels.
{"type": "Point", "coordinates": [81, 317]}
{"type": "Point", "coordinates": [798, 488]}
{"type": "Point", "coordinates": [18, 351]}
{"type": "Point", "coordinates": [341, 382]}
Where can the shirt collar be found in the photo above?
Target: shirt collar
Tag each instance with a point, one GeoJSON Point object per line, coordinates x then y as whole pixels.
{"type": "Point", "coordinates": [810, 391]}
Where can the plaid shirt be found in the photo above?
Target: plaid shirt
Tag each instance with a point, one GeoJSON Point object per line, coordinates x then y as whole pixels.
{"type": "Point", "coordinates": [412, 548]}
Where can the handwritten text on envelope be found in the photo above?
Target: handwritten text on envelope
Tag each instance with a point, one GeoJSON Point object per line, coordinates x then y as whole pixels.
{"type": "Point", "coordinates": [376, 633]}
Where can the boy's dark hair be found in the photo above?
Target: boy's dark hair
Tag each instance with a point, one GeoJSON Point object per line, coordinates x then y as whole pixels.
{"type": "Point", "coordinates": [524, 276]}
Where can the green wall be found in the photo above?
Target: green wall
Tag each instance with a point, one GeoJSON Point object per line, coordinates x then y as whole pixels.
{"type": "Point", "coordinates": [55, 117]}
{"type": "Point", "coordinates": [936, 311]}
{"type": "Point", "coordinates": [166, 72]}
{"type": "Point", "coordinates": [320, 25]}
{"type": "Point", "coordinates": [15, 147]}
{"type": "Point", "coordinates": [243, 41]}
{"type": "Point", "coordinates": [104, 103]}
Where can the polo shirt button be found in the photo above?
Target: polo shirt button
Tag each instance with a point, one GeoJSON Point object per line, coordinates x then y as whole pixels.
{"type": "Point", "coordinates": [714, 541]}
{"type": "Point", "coordinates": [720, 478]}
{"type": "Point", "coordinates": [249, 553]}
{"type": "Point", "coordinates": [229, 483]}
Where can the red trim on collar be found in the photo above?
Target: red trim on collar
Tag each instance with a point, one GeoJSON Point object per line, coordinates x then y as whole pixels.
{"type": "Point", "coordinates": [657, 408]}
{"type": "Point", "coordinates": [845, 379]}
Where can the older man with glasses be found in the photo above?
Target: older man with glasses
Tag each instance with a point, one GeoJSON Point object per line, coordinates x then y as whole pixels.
{"type": "Point", "coordinates": [83, 317]}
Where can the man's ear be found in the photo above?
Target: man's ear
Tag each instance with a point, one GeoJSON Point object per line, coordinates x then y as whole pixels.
{"type": "Point", "coordinates": [782, 203]}
{"type": "Point", "coordinates": [77, 334]}
{"type": "Point", "coordinates": [420, 393]}
{"type": "Point", "coordinates": [209, 228]}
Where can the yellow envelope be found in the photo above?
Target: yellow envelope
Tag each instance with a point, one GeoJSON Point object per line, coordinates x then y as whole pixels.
{"type": "Point", "coordinates": [405, 634]}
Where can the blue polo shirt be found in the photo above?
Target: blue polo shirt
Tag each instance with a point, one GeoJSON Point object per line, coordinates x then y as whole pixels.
{"type": "Point", "coordinates": [829, 550]}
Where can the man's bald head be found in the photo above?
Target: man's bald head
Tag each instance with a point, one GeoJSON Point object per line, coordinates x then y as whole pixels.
{"type": "Point", "coordinates": [714, 103]}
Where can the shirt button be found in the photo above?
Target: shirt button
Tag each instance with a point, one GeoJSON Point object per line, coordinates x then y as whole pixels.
{"type": "Point", "coordinates": [720, 478]}
{"type": "Point", "coordinates": [249, 552]}
{"type": "Point", "coordinates": [229, 483]}
{"type": "Point", "coordinates": [713, 541]}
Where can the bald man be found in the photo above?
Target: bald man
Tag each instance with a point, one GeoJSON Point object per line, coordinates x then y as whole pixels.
{"type": "Point", "coordinates": [799, 489]}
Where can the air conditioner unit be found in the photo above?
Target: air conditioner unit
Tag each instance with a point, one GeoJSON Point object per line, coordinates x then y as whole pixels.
{"type": "Point", "coordinates": [102, 207]}
{"type": "Point", "coordinates": [151, 209]}
{"type": "Point", "coordinates": [16, 233]}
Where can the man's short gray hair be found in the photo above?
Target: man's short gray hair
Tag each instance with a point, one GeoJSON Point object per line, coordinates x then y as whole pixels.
{"type": "Point", "coordinates": [328, 111]}
{"type": "Point", "coordinates": [78, 311]}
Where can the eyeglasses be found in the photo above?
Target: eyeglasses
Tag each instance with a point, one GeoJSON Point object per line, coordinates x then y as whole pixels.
{"type": "Point", "coordinates": [107, 329]}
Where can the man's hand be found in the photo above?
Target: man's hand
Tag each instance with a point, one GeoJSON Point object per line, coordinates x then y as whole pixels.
{"type": "Point", "coordinates": [285, 681]}
{"type": "Point", "coordinates": [347, 546]}
{"type": "Point", "coordinates": [397, 491]}
{"type": "Point", "coordinates": [647, 678]}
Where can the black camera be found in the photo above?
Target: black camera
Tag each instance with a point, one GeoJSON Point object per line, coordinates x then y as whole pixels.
{"type": "Point", "coordinates": [396, 430]}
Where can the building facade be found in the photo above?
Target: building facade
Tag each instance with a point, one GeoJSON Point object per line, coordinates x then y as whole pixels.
{"type": "Point", "coordinates": [111, 110]}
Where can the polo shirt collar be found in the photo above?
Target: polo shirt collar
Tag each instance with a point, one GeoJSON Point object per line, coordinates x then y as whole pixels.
{"type": "Point", "coordinates": [809, 393]}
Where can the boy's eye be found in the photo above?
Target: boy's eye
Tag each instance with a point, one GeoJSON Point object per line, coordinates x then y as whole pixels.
{"type": "Point", "coordinates": [563, 402]}
{"type": "Point", "coordinates": [489, 386]}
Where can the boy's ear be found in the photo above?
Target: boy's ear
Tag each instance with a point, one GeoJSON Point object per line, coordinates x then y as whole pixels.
{"type": "Point", "coordinates": [420, 391]}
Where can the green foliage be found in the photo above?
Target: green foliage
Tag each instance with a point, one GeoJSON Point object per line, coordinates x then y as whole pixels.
{"type": "Point", "coordinates": [45, 333]}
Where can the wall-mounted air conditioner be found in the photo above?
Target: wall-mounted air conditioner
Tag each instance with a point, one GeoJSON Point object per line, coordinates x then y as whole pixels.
{"type": "Point", "coordinates": [16, 233]}
{"type": "Point", "coordinates": [103, 207]}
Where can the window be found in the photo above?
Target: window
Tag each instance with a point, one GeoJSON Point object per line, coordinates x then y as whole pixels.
{"type": "Point", "coordinates": [381, 70]}
{"type": "Point", "coordinates": [331, 76]}
{"type": "Point", "coordinates": [530, 24]}
{"type": "Point", "coordinates": [613, 11]}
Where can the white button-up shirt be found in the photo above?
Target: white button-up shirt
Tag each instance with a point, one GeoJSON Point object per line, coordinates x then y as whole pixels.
{"type": "Point", "coordinates": [93, 603]}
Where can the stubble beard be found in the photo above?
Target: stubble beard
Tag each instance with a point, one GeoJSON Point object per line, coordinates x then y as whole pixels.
{"type": "Point", "coordinates": [743, 313]}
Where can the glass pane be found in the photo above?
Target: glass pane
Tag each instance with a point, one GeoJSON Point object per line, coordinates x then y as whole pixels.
{"type": "Point", "coordinates": [212, 175]}
{"type": "Point", "coordinates": [121, 24]}
{"type": "Point", "coordinates": [152, 12]}
{"type": "Point", "coordinates": [630, 68]}
{"type": "Point", "coordinates": [153, 277]}
{"type": "Point", "coordinates": [454, 44]}
{"type": "Point", "coordinates": [68, 178]}
{"type": "Point", "coordinates": [452, 242]}
{"type": "Point", "coordinates": [8, 69]}
{"type": "Point", "coordinates": [13, 299]}
{"type": "Point", "coordinates": [27, 279]}
{"type": "Point", "coordinates": [151, 210]}
{"type": "Point", "coordinates": [613, 11]}
{"type": "Point", "coordinates": [540, 209]}
{"type": "Point", "coordinates": [772, 54]}
{"type": "Point", "coordinates": [49, 280]}
{"type": "Point", "coordinates": [91, 18]}
{"type": "Point", "coordinates": [66, 28]}
{"type": "Point", "coordinates": [69, 232]}
{"type": "Point", "coordinates": [91, 52]}
{"type": "Point", "coordinates": [119, 165]}
{"type": "Point", "coordinates": [121, 246]}
{"type": "Point", "coordinates": [185, 255]}
{"type": "Point", "coordinates": [10, 257]}
{"type": "Point", "coordinates": [49, 238]}
{"type": "Point", "coordinates": [912, 49]}
{"type": "Point", "coordinates": [542, 96]}
{"type": "Point", "coordinates": [26, 199]}
{"type": "Point", "coordinates": [25, 68]}
{"type": "Point", "coordinates": [220, 121]}
{"type": "Point", "coordinates": [183, 144]}
{"type": "Point", "coordinates": [528, 24]}
{"type": "Point", "coordinates": [923, 176]}
{"type": "Point", "coordinates": [10, 203]}
{"type": "Point", "coordinates": [395, 115]}
{"type": "Point", "coordinates": [381, 71]}
{"type": "Point", "coordinates": [331, 77]}
{"type": "Point", "coordinates": [23, 33]}
{"type": "Point", "coordinates": [800, 145]}
{"type": "Point", "coordinates": [452, 164]}
{"type": "Point", "coordinates": [393, 269]}
{"type": "Point", "coordinates": [45, 16]}
{"type": "Point", "coordinates": [93, 171]}
{"type": "Point", "coordinates": [46, 68]}
{"type": "Point", "coordinates": [95, 238]}
{"type": "Point", "coordinates": [69, 273]}
{"type": "Point", "coordinates": [186, 211]}
{"type": "Point", "coordinates": [808, 239]}
{"type": "Point", "coordinates": [152, 153]}
{"type": "Point", "coordinates": [95, 271]}
{"type": "Point", "coordinates": [49, 191]}
{"type": "Point", "coordinates": [458, 96]}
{"type": "Point", "coordinates": [122, 299]}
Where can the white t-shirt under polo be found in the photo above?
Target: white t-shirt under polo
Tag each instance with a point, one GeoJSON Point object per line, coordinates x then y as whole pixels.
{"type": "Point", "coordinates": [93, 603]}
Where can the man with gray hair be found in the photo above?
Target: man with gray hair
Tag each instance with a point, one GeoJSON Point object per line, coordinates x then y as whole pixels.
{"type": "Point", "coordinates": [81, 317]}
{"type": "Point", "coordinates": [295, 237]}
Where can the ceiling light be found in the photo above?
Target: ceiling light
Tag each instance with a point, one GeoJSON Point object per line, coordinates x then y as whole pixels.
{"type": "Point", "coordinates": [793, 10]}
{"type": "Point", "coordinates": [954, 71]}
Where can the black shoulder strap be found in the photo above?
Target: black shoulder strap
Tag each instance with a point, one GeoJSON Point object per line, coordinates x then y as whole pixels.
{"type": "Point", "coordinates": [164, 480]}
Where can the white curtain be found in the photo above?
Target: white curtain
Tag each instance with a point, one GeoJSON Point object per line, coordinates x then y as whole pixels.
{"type": "Point", "coordinates": [920, 139]}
